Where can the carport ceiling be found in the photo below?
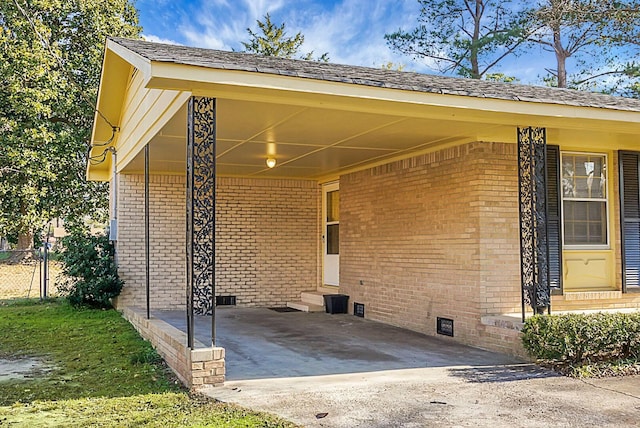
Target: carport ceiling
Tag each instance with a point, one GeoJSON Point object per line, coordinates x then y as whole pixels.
{"type": "Point", "coordinates": [307, 142]}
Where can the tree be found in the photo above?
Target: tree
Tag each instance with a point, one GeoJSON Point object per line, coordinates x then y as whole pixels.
{"type": "Point", "coordinates": [501, 77]}
{"type": "Point", "coordinates": [466, 37]}
{"type": "Point", "coordinates": [274, 42]}
{"type": "Point", "coordinates": [390, 65]}
{"type": "Point", "coordinates": [602, 36]}
{"type": "Point", "coordinates": [50, 58]}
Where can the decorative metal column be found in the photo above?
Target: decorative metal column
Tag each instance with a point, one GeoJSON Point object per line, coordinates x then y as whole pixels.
{"type": "Point", "coordinates": [534, 239]}
{"type": "Point", "coordinates": [201, 204]}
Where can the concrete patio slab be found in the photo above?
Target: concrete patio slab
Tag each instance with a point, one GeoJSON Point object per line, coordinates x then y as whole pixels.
{"type": "Point", "coordinates": [261, 343]}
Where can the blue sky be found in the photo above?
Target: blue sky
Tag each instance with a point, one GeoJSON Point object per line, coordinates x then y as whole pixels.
{"type": "Point", "coordinates": [351, 31]}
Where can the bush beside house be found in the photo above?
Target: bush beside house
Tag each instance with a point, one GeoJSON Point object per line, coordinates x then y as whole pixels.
{"type": "Point", "coordinates": [91, 276]}
{"type": "Point", "coordinates": [585, 344]}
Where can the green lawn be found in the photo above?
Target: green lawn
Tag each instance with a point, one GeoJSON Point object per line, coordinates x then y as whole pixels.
{"type": "Point", "coordinates": [97, 371]}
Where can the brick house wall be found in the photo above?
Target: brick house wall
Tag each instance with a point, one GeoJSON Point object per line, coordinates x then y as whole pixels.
{"type": "Point", "coordinates": [266, 244]}
{"type": "Point", "coordinates": [434, 235]}
{"type": "Point", "coordinates": [167, 241]}
{"type": "Point", "coordinates": [267, 239]}
{"type": "Point", "coordinates": [438, 235]}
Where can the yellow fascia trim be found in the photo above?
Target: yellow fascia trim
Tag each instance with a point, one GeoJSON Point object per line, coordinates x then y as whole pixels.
{"type": "Point", "coordinates": [286, 89]}
{"type": "Point", "coordinates": [137, 61]}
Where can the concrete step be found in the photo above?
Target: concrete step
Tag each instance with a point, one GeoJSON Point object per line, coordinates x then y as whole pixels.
{"type": "Point", "coordinates": [313, 297]}
{"type": "Point", "coordinates": [305, 307]}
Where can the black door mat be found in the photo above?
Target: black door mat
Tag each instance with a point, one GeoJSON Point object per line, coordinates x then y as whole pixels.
{"type": "Point", "coordinates": [284, 309]}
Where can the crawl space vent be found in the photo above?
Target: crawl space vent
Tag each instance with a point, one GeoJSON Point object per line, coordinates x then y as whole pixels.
{"type": "Point", "coordinates": [225, 300]}
{"type": "Point", "coordinates": [358, 309]}
{"type": "Point", "coordinates": [444, 326]}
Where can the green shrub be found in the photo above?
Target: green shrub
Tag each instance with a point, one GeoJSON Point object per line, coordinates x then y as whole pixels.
{"type": "Point", "coordinates": [91, 276]}
{"type": "Point", "coordinates": [583, 339]}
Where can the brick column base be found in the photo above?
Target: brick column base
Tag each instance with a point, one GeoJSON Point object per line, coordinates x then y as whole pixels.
{"type": "Point", "coordinates": [195, 368]}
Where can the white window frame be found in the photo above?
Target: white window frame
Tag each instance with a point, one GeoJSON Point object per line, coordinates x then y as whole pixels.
{"type": "Point", "coordinates": [606, 246]}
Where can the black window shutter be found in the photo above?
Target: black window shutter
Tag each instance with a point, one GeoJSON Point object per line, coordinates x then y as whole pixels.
{"type": "Point", "coordinates": [554, 218]}
{"type": "Point", "coordinates": [630, 218]}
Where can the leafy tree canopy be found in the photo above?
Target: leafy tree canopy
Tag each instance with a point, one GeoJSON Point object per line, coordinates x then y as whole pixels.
{"type": "Point", "coordinates": [272, 40]}
{"type": "Point", "coordinates": [464, 37]}
{"type": "Point", "coordinates": [472, 38]}
{"type": "Point", "coordinates": [50, 58]}
{"type": "Point", "coordinates": [601, 37]}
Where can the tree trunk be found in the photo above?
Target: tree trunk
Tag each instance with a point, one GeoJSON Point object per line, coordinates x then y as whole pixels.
{"type": "Point", "coordinates": [25, 241]}
{"type": "Point", "coordinates": [475, 66]}
{"type": "Point", "coordinates": [561, 58]}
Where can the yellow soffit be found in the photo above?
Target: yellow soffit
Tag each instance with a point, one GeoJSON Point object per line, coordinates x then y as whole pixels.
{"type": "Point", "coordinates": [255, 86]}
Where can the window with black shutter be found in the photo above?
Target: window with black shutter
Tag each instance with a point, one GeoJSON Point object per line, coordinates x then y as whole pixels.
{"type": "Point", "coordinates": [554, 219]}
{"type": "Point", "coordinates": [630, 219]}
{"type": "Point", "coordinates": [584, 200]}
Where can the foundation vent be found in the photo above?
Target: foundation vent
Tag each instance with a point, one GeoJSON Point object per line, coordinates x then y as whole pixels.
{"type": "Point", "coordinates": [358, 309]}
{"type": "Point", "coordinates": [444, 326]}
{"type": "Point", "coordinates": [225, 300]}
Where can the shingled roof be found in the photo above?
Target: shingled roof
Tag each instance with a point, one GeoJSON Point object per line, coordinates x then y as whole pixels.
{"type": "Point", "coordinates": [375, 77]}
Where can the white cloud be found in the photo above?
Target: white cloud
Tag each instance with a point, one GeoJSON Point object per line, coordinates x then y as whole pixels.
{"type": "Point", "coordinates": [223, 25]}
{"type": "Point", "coordinates": [153, 38]}
{"type": "Point", "coordinates": [258, 8]}
{"type": "Point", "coordinates": [352, 32]}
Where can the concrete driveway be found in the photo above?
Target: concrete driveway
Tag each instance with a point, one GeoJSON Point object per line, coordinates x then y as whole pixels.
{"type": "Point", "coordinates": [322, 370]}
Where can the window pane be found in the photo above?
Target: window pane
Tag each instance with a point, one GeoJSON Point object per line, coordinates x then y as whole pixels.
{"type": "Point", "coordinates": [333, 206]}
{"type": "Point", "coordinates": [585, 223]}
{"type": "Point", "coordinates": [584, 176]}
{"type": "Point", "coordinates": [333, 239]}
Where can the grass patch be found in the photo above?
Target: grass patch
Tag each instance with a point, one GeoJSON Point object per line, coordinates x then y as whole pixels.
{"type": "Point", "coordinates": [99, 373]}
{"type": "Point", "coordinates": [92, 353]}
{"type": "Point", "coordinates": [148, 410]}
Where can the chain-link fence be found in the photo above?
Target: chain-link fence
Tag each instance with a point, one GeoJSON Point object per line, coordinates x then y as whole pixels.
{"type": "Point", "coordinates": [25, 274]}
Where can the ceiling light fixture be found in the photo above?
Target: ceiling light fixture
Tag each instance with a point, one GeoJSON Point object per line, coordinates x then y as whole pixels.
{"type": "Point", "coordinates": [271, 162]}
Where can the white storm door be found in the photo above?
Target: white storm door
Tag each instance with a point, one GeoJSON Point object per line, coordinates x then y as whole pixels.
{"type": "Point", "coordinates": [331, 234]}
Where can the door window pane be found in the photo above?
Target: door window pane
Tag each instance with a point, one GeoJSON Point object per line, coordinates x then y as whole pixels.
{"type": "Point", "coordinates": [333, 238]}
{"type": "Point", "coordinates": [333, 206]}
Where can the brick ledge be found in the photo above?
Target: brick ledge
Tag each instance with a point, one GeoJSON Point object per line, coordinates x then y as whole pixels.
{"type": "Point", "coordinates": [592, 295]}
{"type": "Point", "coordinates": [509, 322]}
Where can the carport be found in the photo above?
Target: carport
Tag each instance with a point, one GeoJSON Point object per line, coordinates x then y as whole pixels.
{"type": "Point", "coordinates": [259, 182]}
{"type": "Point", "coordinates": [261, 235]}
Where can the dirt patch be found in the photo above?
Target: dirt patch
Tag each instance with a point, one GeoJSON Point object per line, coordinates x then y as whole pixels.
{"type": "Point", "coordinates": [23, 368]}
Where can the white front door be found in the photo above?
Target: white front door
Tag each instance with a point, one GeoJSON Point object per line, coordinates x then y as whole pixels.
{"type": "Point", "coordinates": [331, 233]}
